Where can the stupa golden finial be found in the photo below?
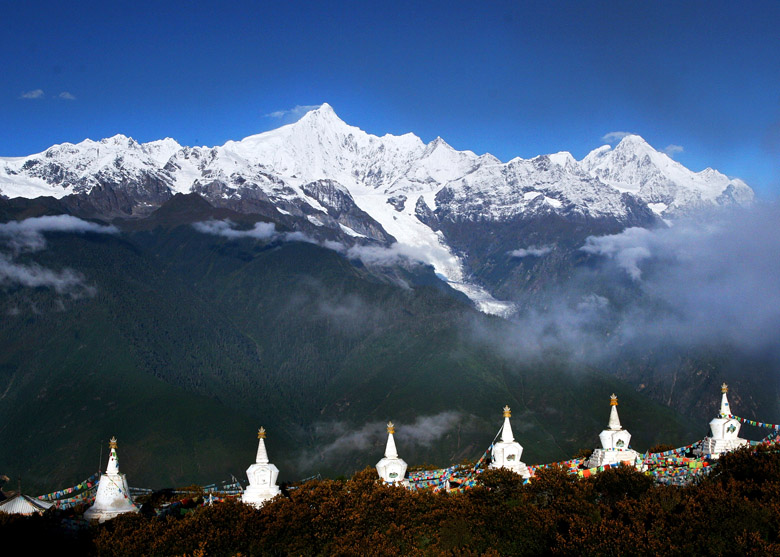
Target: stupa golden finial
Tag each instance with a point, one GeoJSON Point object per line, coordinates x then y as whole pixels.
{"type": "Point", "coordinates": [724, 388]}
{"type": "Point", "coordinates": [507, 412]}
{"type": "Point", "coordinates": [390, 427]}
{"type": "Point", "coordinates": [261, 433]}
{"type": "Point", "coordinates": [613, 400]}
{"type": "Point", "coordinates": [112, 443]}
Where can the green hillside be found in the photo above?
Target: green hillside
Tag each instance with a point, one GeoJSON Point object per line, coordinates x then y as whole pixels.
{"type": "Point", "coordinates": [190, 342]}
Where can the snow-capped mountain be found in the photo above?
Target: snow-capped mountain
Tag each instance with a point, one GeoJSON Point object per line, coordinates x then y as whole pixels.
{"type": "Point", "coordinates": [552, 183]}
{"type": "Point", "coordinates": [71, 169]}
{"type": "Point", "coordinates": [336, 181]}
{"type": "Point", "coordinates": [664, 184]}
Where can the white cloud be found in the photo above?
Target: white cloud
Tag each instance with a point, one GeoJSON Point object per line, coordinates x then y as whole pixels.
{"type": "Point", "coordinates": [369, 255]}
{"type": "Point", "coordinates": [613, 137]}
{"type": "Point", "coordinates": [67, 96]}
{"type": "Point", "coordinates": [718, 281]}
{"type": "Point", "coordinates": [260, 231]}
{"type": "Point", "coordinates": [673, 149]}
{"type": "Point", "coordinates": [335, 246]}
{"type": "Point", "coordinates": [628, 249]}
{"type": "Point", "coordinates": [296, 112]}
{"type": "Point", "coordinates": [34, 94]}
{"type": "Point", "coordinates": [66, 281]}
{"type": "Point", "coordinates": [301, 237]}
{"type": "Point", "coordinates": [391, 255]}
{"type": "Point", "coordinates": [695, 286]}
{"type": "Point", "coordinates": [27, 235]}
{"type": "Point", "coordinates": [531, 251]}
{"type": "Point", "coordinates": [422, 432]}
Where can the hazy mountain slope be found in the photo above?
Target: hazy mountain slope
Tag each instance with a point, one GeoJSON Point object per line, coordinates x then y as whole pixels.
{"type": "Point", "coordinates": [191, 341]}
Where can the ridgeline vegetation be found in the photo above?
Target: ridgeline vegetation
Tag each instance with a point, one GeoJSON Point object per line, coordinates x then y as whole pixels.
{"type": "Point", "coordinates": [734, 510]}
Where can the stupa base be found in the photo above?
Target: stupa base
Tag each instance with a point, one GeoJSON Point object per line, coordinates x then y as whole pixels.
{"type": "Point", "coordinates": [258, 497]}
{"type": "Point", "coordinates": [602, 457]}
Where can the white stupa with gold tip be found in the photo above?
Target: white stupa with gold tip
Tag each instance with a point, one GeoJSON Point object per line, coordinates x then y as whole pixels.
{"type": "Point", "coordinates": [113, 497]}
{"type": "Point", "coordinates": [506, 453]}
{"type": "Point", "coordinates": [614, 442]}
{"type": "Point", "coordinates": [262, 477]}
{"type": "Point", "coordinates": [391, 468]}
{"type": "Point", "coordinates": [724, 431]}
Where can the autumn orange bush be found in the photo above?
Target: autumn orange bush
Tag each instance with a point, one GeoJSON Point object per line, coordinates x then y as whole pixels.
{"type": "Point", "coordinates": [735, 510]}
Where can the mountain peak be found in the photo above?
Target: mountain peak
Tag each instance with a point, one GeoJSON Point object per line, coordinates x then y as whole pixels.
{"type": "Point", "coordinates": [324, 111]}
{"type": "Point", "coordinates": [633, 139]}
{"type": "Point", "coordinates": [562, 158]}
{"type": "Point", "coordinates": [116, 139]}
{"type": "Point", "coordinates": [438, 142]}
{"type": "Point", "coordinates": [322, 117]}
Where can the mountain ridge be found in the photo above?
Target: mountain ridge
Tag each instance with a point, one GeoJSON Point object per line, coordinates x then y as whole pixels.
{"type": "Point", "coordinates": [335, 182]}
{"type": "Point", "coordinates": [322, 123]}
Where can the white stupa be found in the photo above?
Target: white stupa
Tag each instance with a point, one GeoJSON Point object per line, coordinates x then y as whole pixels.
{"type": "Point", "coordinates": [262, 477]}
{"type": "Point", "coordinates": [113, 497]}
{"type": "Point", "coordinates": [725, 431]}
{"type": "Point", "coordinates": [391, 469]}
{"type": "Point", "coordinates": [614, 443]}
{"type": "Point", "coordinates": [506, 453]}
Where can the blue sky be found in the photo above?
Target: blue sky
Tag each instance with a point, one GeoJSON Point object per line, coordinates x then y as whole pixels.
{"type": "Point", "coordinates": [509, 78]}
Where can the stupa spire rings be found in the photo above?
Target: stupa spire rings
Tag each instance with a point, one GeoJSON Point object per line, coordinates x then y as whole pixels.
{"type": "Point", "coordinates": [261, 433]}
{"type": "Point", "coordinates": [724, 388]}
{"type": "Point", "coordinates": [112, 443]}
{"type": "Point", "coordinates": [507, 412]}
{"type": "Point", "coordinates": [390, 428]}
{"type": "Point", "coordinates": [614, 419]}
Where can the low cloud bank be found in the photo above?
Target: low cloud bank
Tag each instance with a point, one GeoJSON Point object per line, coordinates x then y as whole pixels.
{"type": "Point", "coordinates": [260, 231]}
{"type": "Point", "coordinates": [531, 251]}
{"type": "Point", "coordinates": [629, 248]}
{"type": "Point", "coordinates": [369, 255]}
{"type": "Point", "coordinates": [27, 236]}
{"type": "Point", "coordinates": [391, 255]}
{"type": "Point", "coordinates": [423, 431]}
{"type": "Point", "coordinates": [688, 286]}
{"type": "Point", "coordinates": [33, 275]}
{"type": "Point", "coordinates": [715, 284]}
